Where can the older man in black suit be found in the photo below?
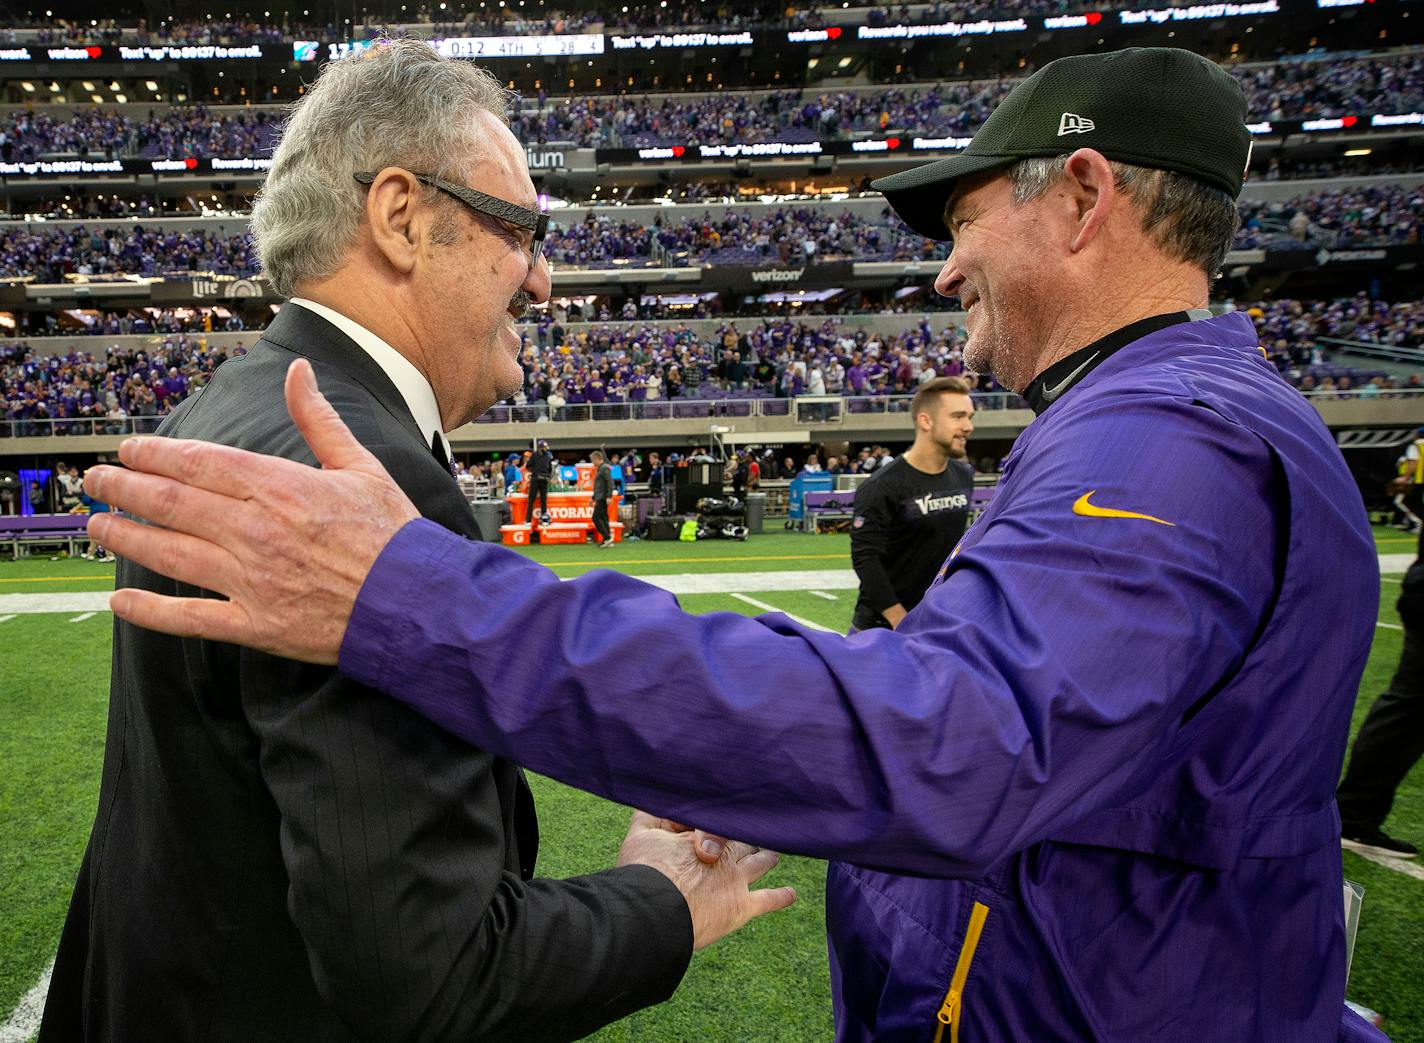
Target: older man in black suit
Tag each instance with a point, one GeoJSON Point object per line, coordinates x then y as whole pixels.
{"type": "Point", "coordinates": [281, 854]}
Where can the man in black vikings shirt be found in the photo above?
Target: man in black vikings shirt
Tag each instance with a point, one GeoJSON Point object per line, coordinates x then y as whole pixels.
{"type": "Point", "coordinates": [911, 512]}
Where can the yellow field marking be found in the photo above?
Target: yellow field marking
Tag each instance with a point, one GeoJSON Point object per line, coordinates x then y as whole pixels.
{"type": "Point", "coordinates": [52, 579]}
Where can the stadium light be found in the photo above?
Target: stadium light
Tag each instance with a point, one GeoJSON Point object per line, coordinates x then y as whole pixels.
{"type": "Point", "coordinates": [27, 85]}
{"type": "Point", "coordinates": [87, 85]}
{"type": "Point", "coordinates": [151, 85]}
{"type": "Point", "coordinates": [121, 98]}
{"type": "Point", "coordinates": [1358, 151]}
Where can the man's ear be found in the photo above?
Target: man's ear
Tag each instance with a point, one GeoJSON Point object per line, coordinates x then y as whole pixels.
{"type": "Point", "coordinates": [394, 214]}
{"type": "Point", "coordinates": [1093, 193]}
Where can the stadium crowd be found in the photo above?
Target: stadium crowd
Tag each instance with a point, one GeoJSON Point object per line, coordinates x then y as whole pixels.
{"type": "Point", "coordinates": [178, 133]}
{"type": "Point", "coordinates": [1285, 89]}
{"type": "Point", "coordinates": [750, 236]}
{"type": "Point", "coordinates": [1282, 90]}
{"type": "Point", "coordinates": [470, 18]}
{"type": "Point", "coordinates": [1290, 329]}
{"type": "Point", "coordinates": [49, 255]}
{"type": "Point", "coordinates": [98, 394]}
{"type": "Point", "coordinates": [771, 358]}
{"type": "Point", "coordinates": [781, 235]}
{"type": "Point", "coordinates": [569, 365]}
{"type": "Point", "coordinates": [1370, 215]}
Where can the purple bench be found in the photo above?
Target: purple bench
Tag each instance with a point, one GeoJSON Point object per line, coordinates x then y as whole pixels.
{"type": "Point", "coordinates": [838, 500]}
{"type": "Point", "coordinates": [26, 530]}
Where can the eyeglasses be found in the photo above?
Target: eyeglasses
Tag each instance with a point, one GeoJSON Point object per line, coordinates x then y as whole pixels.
{"type": "Point", "coordinates": [490, 206]}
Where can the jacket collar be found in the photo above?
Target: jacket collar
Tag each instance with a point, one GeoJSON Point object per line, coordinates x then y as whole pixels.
{"type": "Point", "coordinates": [304, 332]}
{"type": "Point", "coordinates": [1055, 381]}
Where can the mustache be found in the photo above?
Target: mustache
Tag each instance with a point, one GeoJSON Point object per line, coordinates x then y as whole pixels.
{"type": "Point", "coordinates": [519, 304]}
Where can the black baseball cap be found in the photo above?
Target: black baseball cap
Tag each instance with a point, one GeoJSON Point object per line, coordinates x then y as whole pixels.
{"type": "Point", "coordinates": [1159, 107]}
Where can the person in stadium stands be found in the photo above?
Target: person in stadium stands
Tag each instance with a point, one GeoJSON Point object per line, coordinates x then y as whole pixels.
{"type": "Point", "coordinates": [911, 512]}
{"type": "Point", "coordinates": [540, 471]}
{"type": "Point", "coordinates": [279, 852]}
{"type": "Point", "coordinates": [1391, 740]}
{"type": "Point", "coordinates": [602, 493]}
{"type": "Point", "coordinates": [1086, 789]}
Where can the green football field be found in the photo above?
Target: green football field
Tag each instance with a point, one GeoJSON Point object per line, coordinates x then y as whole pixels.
{"type": "Point", "coordinates": [767, 982]}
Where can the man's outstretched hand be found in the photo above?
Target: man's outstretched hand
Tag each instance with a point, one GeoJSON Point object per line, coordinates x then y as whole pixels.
{"type": "Point", "coordinates": [288, 545]}
{"type": "Point", "coordinates": [717, 887]}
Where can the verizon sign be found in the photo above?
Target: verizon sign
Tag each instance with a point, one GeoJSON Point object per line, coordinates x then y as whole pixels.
{"type": "Point", "coordinates": [777, 275]}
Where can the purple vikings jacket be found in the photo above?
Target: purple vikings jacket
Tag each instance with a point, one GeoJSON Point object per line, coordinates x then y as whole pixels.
{"type": "Point", "coordinates": [1086, 792]}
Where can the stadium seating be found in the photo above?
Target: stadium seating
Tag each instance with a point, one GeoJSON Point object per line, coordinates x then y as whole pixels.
{"type": "Point", "coordinates": [666, 371]}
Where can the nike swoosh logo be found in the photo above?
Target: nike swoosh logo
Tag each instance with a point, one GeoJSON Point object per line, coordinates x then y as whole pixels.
{"type": "Point", "coordinates": [1082, 507]}
{"type": "Point", "coordinates": [1050, 393]}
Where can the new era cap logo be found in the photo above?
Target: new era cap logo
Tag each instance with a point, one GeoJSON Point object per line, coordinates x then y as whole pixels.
{"type": "Point", "coordinates": [1072, 123]}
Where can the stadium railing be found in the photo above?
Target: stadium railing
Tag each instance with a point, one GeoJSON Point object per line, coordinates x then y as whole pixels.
{"type": "Point", "coordinates": [711, 408]}
{"type": "Point", "coordinates": [1369, 349]}
{"type": "Point", "coordinates": [542, 412]}
{"type": "Point", "coordinates": [659, 409]}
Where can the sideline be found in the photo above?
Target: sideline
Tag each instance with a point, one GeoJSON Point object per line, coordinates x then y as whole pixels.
{"type": "Point", "coordinates": [24, 1020]}
{"type": "Point", "coordinates": [686, 583]}
{"type": "Point", "coordinates": [1399, 865]}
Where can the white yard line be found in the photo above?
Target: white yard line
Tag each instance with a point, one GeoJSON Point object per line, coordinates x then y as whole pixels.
{"type": "Point", "coordinates": [692, 583]}
{"type": "Point", "coordinates": [752, 582]}
{"type": "Point", "coordinates": [26, 604]}
{"type": "Point", "coordinates": [82, 617]}
{"type": "Point", "coordinates": [24, 1020]}
{"type": "Point", "coordinates": [1389, 626]}
{"type": "Point", "coordinates": [823, 594]}
{"type": "Point", "coordinates": [754, 603]}
{"type": "Point", "coordinates": [6, 619]}
{"type": "Point", "coordinates": [1399, 865]}
{"type": "Point", "coordinates": [1395, 564]}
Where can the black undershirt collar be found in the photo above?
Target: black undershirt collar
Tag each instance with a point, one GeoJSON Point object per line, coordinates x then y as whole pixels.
{"type": "Point", "coordinates": [1050, 385]}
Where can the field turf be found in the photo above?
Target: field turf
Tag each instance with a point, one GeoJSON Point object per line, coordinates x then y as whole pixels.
{"type": "Point", "coordinates": [768, 981]}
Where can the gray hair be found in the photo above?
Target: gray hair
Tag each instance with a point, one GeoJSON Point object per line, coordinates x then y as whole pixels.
{"type": "Point", "coordinates": [1188, 219]}
{"type": "Point", "coordinates": [399, 103]}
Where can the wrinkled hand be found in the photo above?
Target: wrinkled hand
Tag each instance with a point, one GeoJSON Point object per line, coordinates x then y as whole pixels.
{"type": "Point", "coordinates": [719, 894]}
{"type": "Point", "coordinates": [287, 544]}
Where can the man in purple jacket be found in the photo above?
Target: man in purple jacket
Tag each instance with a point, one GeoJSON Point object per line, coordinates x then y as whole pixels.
{"type": "Point", "coordinates": [1086, 789]}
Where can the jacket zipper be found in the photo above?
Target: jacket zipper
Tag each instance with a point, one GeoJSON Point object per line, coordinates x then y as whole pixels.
{"type": "Point", "coordinates": [951, 1011]}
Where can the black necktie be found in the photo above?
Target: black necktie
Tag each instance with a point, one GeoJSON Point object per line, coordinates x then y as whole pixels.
{"type": "Point", "coordinates": [437, 450]}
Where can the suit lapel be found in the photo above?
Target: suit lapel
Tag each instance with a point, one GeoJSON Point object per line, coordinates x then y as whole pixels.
{"type": "Point", "coordinates": [306, 333]}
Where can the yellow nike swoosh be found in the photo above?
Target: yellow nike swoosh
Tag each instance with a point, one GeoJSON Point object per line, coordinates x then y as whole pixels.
{"type": "Point", "coordinates": [1091, 510]}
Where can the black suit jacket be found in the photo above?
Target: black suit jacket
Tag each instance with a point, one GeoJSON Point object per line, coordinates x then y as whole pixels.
{"type": "Point", "coordinates": [282, 854]}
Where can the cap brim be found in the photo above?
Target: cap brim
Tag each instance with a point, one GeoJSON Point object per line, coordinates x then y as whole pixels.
{"type": "Point", "coordinates": [920, 194]}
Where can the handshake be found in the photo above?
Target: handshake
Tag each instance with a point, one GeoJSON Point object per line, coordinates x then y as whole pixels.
{"type": "Point", "coordinates": [713, 874]}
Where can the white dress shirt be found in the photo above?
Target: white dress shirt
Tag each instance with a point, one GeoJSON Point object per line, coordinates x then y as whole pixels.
{"type": "Point", "coordinates": [409, 381]}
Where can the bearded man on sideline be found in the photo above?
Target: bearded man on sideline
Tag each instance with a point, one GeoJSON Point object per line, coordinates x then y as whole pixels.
{"type": "Point", "coordinates": [911, 512]}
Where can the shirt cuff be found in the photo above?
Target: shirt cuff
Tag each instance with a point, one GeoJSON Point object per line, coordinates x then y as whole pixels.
{"type": "Point", "coordinates": [386, 620]}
